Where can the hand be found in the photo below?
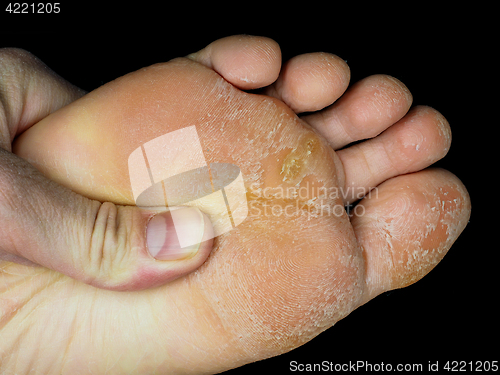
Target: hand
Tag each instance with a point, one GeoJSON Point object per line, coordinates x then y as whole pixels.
{"type": "Point", "coordinates": [43, 223]}
{"type": "Point", "coordinates": [282, 276]}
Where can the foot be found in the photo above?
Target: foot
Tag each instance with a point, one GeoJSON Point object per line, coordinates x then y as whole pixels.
{"type": "Point", "coordinates": [296, 265]}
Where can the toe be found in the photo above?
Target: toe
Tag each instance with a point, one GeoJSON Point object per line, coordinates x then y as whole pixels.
{"type": "Point", "coordinates": [311, 82]}
{"type": "Point", "coordinates": [418, 140]}
{"type": "Point", "coordinates": [247, 62]}
{"type": "Point", "coordinates": [369, 107]}
{"type": "Point", "coordinates": [408, 226]}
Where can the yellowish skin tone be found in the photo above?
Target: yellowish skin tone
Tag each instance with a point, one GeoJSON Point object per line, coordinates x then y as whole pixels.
{"type": "Point", "coordinates": [270, 285]}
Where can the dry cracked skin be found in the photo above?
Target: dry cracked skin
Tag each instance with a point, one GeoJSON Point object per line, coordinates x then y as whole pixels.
{"type": "Point", "coordinates": [293, 268]}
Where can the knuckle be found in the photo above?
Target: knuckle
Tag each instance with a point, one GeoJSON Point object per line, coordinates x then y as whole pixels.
{"type": "Point", "coordinates": [14, 56]}
{"type": "Point", "coordinates": [16, 62]}
{"type": "Point", "coordinates": [108, 260]}
{"type": "Point", "coordinates": [17, 68]}
{"type": "Point", "coordinates": [16, 175]}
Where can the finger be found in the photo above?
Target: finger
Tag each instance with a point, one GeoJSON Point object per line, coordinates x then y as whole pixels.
{"type": "Point", "coordinates": [367, 108]}
{"type": "Point", "coordinates": [407, 225]}
{"type": "Point", "coordinates": [420, 139]}
{"type": "Point", "coordinates": [29, 91]}
{"type": "Point", "coordinates": [311, 82]}
{"type": "Point", "coordinates": [102, 244]}
{"type": "Point", "coordinates": [247, 62]}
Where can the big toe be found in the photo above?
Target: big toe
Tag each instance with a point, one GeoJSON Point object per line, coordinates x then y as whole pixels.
{"type": "Point", "coordinates": [407, 226]}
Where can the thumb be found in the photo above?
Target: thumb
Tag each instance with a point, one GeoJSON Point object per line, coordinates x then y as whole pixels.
{"type": "Point", "coordinates": [102, 244]}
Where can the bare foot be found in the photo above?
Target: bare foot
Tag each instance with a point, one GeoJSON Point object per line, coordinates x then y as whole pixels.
{"type": "Point", "coordinates": [295, 266]}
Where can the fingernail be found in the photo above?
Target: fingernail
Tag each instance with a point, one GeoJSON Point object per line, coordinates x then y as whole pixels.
{"type": "Point", "coordinates": [175, 234]}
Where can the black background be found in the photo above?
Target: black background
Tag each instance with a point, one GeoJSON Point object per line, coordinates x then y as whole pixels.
{"type": "Point", "coordinates": [442, 56]}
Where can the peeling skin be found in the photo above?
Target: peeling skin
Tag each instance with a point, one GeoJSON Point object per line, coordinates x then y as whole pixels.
{"type": "Point", "coordinates": [425, 236]}
{"type": "Point", "coordinates": [271, 284]}
{"type": "Point", "coordinates": [296, 163]}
